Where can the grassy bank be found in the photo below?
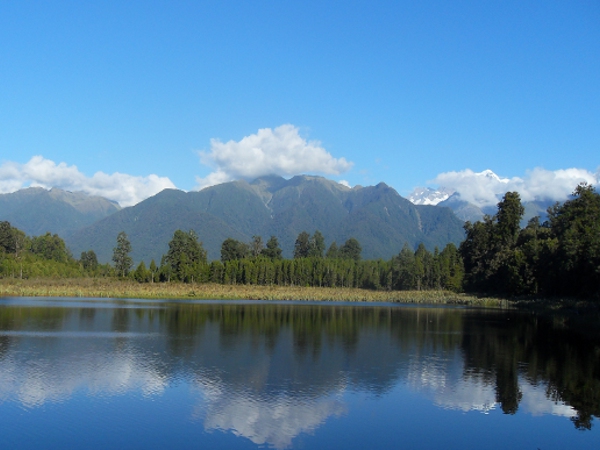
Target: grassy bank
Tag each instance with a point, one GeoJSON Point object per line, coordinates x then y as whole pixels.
{"type": "Point", "coordinates": [114, 288]}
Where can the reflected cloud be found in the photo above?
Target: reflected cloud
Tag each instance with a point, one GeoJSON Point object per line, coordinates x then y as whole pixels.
{"type": "Point", "coordinates": [472, 394]}
{"type": "Point", "coordinates": [445, 383]}
{"type": "Point", "coordinates": [36, 382]}
{"type": "Point", "coordinates": [442, 380]}
{"type": "Point", "coordinates": [264, 419]}
{"type": "Point", "coordinates": [535, 401]}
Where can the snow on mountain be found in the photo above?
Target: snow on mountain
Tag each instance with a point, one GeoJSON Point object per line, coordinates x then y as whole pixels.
{"type": "Point", "coordinates": [489, 174]}
{"type": "Point", "coordinates": [473, 194]}
{"type": "Point", "coordinates": [429, 196]}
{"type": "Point", "coordinates": [474, 181]}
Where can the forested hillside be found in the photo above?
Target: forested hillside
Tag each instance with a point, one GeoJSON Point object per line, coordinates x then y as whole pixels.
{"type": "Point", "coordinates": [375, 215]}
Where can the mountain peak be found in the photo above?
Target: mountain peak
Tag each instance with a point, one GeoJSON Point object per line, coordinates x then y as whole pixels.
{"type": "Point", "coordinates": [429, 196]}
{"type": "Point", "coordinates": [490, 174]}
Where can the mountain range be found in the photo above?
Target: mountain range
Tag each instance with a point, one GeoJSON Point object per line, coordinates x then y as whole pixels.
{"type": "Point", "coordinates": [377, 216]}
{"type": "Point", "coordinates": [36, 210]}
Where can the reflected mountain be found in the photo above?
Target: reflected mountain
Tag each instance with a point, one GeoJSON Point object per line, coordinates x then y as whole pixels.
{"type": "Point", "coordinates": [270, 372]}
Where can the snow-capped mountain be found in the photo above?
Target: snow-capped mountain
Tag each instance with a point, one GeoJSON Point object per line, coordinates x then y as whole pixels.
{"type": "Point", "coordinates": [474, 210]}
{"type": "Point", "coordinates": [490, 174]}
{"type": "Point", "coordinates": [429, 196]}
{"type": "Point", "coordinates": [470, 194]}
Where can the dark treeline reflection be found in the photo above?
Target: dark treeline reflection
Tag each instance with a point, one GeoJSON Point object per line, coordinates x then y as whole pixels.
{"type": "Point", "coordinates": [567, 362]}
{"type": "Point", "coordinates": [305, 351]}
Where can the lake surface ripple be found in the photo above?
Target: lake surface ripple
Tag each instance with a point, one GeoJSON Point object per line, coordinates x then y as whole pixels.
{"type": "Point", "coordinates": [90, 373]}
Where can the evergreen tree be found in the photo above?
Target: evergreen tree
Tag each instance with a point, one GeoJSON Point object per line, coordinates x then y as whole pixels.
{"type": "Point", "coordinates": [476, 251]}
{"type": "Point", "coordinates": [317, 245]}
{"type": "Point", "coordinates": [216, 272]}
{"type": "Point", "coordinates": [533, 243]}
{"type": "Point", "coordinates": [232, 249]}
{"type": "Point", "coordinates": [404, 269]}
{"type": "Point", "coordinates": [451, 268]}
{"type": "Point", "coordinates": [508, 219]}
{"type": "Point", "coordinates": [256, 246]}
{"type": "Point", "coordinates": [576, 227]}
{"type": "Point", "coordinates": [420, 267]}
{"type": "Point", "coordinates": [351, 250]}
{"type": "Point", "coordinates": [50, 247]}
{"type": "Point", "coordinates": [7, 239]}
{"type": "Point", "coordinates": [89, 261]}
{"type": "Point", "coordinates": [302, 245]}
{"type": "Point", "coordinates": [493, 263]}
{"type": "Point", "coordinates": [153, 270]}
{"type": "Point", "coordinates": [185, 255]}
{"type": "Point", "coordinates": [141, 274]}
{"type": "Point", "coordinates": [272, 250]}
{"type": "Point", "coordinates": [12, 240]}
{"type": "Point", "coordinates": [333, 251]}
{"type": "Point", "coordinates": [121, 258]}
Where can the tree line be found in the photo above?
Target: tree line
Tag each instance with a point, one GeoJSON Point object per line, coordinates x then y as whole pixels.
{"type": "Point", "coordinates": [256, 263]}
{"type": "Point", "coordinates": [22, 256]}
{"type": "Point", "coordinates": [558, 257]}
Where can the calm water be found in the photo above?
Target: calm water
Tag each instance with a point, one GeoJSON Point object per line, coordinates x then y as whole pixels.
{"type": "Point", "coordinates": [157, 374]}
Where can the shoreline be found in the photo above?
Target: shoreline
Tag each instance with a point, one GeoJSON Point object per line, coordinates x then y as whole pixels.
{"type": "Point", "coordinates": [115, 288]}
{"type": "Point", "coordinates": [567, 312]}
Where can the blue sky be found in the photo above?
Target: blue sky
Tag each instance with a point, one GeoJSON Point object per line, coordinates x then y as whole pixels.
{"type": "Point", "coordinates": [360, 91]}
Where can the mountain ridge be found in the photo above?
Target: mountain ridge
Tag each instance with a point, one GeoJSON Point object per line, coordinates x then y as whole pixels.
{"type": "Point", "coordinates": [36, 210]}
{"type": "Point", "coordinates": [377, 216]}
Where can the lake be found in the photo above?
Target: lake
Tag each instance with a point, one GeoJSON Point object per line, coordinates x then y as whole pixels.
{"type": "Point", "coordinates": [98, 373]}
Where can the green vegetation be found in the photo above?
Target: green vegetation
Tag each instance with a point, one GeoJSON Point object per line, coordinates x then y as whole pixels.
{"type": "Point", "coordinates": [560, 257]}
{"type": "Point", "coordinates": [186, 258]}
{"type": "Point", "coordinates": [113, 287]}
{"type": "Point", "coordinates": [380, 219]}
{"type": "Point", "coordinates": [121, 258]}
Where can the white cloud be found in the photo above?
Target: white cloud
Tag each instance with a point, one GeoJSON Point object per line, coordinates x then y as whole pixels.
{"type": "Point", "coordinates": [39, 171]}
{"type": "Point", "coordinates": [485, 188]}
{"type": "Point", "coordinates": [273, 421]}
{"type": "Point", "coordinates": [535, 401]}
{"type": "Point", "coordinates": [280, 151]}
{"type": "Point", "coordinates": [64, 369]}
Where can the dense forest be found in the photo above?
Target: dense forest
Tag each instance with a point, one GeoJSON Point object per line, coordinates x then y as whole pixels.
{"type": "Point", "coordinates": [558, 257]}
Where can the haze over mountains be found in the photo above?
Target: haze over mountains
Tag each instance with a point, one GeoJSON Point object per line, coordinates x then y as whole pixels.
{"type": "Point", "coordinates": [377, 216]}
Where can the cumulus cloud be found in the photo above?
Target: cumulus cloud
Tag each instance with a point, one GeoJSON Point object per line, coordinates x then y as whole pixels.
{"type": "Point", "coordinates": [280, 151]}
{"type": "Point", "coordinates": [266, 420]}
{"type": "Point", "coordinates": [126, 189]}
{"type": "Point", "coordinates": [67, 368]}
{"type": "Point", "coordinates": [485, 188]}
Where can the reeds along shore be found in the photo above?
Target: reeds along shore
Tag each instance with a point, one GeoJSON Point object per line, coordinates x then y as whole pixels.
{"type": "Point", "coordinates": [107, 288]}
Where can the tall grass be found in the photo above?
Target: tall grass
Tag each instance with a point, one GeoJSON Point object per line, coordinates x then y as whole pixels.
{"type": "Point", "coordinates": [115, 288]}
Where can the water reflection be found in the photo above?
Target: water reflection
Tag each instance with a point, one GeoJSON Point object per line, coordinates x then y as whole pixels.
{"type": "Point", "coordinates": [272, 372]}
{"type": "Point", "coordinates": [265, 419]}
